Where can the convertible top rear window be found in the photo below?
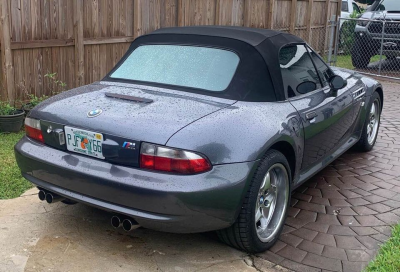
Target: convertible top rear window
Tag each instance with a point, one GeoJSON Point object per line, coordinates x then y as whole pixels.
{"type": "Point", "coordinates": [233, 68]}
{"type": "Point", "coordinates": [197, 67]}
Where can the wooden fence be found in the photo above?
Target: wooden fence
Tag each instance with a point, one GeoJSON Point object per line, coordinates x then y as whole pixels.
{"type": "Point", "coordinates": [81, 40]}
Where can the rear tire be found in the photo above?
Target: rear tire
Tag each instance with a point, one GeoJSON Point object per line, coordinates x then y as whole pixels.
{"type": "Point", "coordinates": [263, 212]}
{"type": "Point", "coordinates": [391, 57]}
{"type": "Point", "coordinates": [360, 56]}
{"type": "Point", "coordinates": [371, 125]}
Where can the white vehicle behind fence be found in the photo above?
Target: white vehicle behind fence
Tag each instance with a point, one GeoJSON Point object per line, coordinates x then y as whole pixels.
{"type": "Point", "coordinates": [348, 7]}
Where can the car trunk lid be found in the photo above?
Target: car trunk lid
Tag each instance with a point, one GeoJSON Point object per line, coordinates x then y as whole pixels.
{"type": "Point", "coordinates": [129, 113]}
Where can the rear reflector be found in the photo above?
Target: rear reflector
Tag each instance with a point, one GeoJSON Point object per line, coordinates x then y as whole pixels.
{"type": "Point", "coordinates": [33, 129]}
{"type": "Point", "coordinates": [166, 159]}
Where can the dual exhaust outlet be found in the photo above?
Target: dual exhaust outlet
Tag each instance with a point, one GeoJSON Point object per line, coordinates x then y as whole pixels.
{"type": "Point", "coordinates": [127, 224]}
{"type": "Point", "coordinates": [49, 197]}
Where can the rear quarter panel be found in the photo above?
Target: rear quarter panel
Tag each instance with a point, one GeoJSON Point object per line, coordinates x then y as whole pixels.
{"type": "Point", "coordinates": [242, 132]}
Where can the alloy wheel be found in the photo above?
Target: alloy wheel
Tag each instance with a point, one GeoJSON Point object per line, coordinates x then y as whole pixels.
{"type": "Point", "coordinates": [373, 122]}
{"type": "Point", "coordinates": [272, 200]}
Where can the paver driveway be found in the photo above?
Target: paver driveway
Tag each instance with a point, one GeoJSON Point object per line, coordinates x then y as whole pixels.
{"type": "Point", "coordinates": [336, 223]}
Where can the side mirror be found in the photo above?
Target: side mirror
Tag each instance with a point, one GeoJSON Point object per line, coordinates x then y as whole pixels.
{"type": "Point", "coordinates": [306, 87]}
{"type": "Point", "coordinates": [336, 83]}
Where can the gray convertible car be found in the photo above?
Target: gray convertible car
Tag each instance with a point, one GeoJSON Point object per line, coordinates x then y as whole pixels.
{"type": "Point", "coordinates": [200, 129]}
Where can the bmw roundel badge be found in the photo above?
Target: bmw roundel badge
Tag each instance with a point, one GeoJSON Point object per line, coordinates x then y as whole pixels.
{"type": "Point", "coordinates": [94, 113]}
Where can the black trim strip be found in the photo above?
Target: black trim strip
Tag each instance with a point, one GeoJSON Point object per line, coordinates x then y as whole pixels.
{"type": "Point", "coordinates": [130, 98]}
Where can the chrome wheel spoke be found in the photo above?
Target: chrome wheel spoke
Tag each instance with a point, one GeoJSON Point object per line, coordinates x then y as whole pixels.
{"type": "Point", "coordinates": [259, 214]}
{"type": "Point", "coordinates": [271, 203]}
{"type": "Point", "coordinates": [266, 182]}
{"type": "Point", "coordinates": [269, 198]}
{"type": "Point", "coordinates": [373, 122]}
{"type": "Point", "coordinates": [263, 225]}
{"type": "Point", "coordinates": [372, 113]}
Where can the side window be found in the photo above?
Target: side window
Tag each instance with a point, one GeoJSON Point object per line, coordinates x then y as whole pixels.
{"type": "Point", "coordinates": [298, 71]}
{"type": "Point", "coordinates": [325, 73]}
{"type": "Point", "coordinates": [345, 6]}
{"type": "Point", "coordinates": [356, 8]}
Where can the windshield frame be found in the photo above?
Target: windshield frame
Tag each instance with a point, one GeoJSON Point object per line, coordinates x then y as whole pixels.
{"type": "Point", "coordinates": [376, 5]}
{"type": "Point", "coordinates": [160, 84]}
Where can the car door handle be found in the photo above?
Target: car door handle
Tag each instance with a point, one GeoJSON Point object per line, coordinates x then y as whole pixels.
{"type": "Point", "coordinates": [311, 115]}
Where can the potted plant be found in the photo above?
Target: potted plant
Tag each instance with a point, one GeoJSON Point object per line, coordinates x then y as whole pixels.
{"type": "Point", "coordinates": [11, 119]}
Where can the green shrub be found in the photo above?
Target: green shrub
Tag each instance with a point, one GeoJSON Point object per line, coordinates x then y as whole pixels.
{"type": "Point", "coordinates": [346, 35]}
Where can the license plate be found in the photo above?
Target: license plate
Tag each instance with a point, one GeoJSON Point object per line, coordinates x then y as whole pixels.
{"type": "Point", "coordinates": [84, 142]}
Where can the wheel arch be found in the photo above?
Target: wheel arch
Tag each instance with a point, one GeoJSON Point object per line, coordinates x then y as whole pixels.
{"type": "Point", "coordinates": [288, 151]}
{"type": "Point", "coordinates": [379, 90]}
{"type": "Point", "coordinates": [284, 145]}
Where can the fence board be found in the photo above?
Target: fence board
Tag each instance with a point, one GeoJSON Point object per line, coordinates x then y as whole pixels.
{"type": "Point", "coordinates": [169, 13]}
{"type": "Point", "coordinates": [37, 71]}
{"type": "Point", "coordinates": [256, 13]}
{"type": "Point", "coordinates": [82, 40]}
{"type": "Point", "coordinates": [281, 21]}
{"type": "Point", "coordinates": [7, 90]}
{"type": "Point", "coordinates": [230, 12]}
{"type": "Point", "coordinates": [15, 20]}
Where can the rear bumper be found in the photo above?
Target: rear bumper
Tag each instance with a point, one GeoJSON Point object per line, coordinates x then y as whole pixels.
{"type": "Point", "coordinates": [172, 203]}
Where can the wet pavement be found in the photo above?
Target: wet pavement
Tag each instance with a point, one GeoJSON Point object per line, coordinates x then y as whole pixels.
{"type": "Point", "coordinates": [336, 222]}
{"type": "Point", "coordinates": [35, 236]}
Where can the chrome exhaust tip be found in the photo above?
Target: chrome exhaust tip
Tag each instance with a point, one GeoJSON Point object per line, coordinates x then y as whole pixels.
{"type": "Point", "coordinates": [52, 198]}
{"type": "Point", "coordinates": [129, 224]}
{"type": "Point", "coordinates": [42, 195]}
{"type": "Point", "coordinates": [116, 222]}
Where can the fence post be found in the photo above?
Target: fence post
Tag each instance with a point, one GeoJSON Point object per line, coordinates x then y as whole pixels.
{"type": "Point", "coordinates": [79, 45]}
{"type": "Point", "coordinates": [7, 66]}
{"type": "Point", "coordinates": [381, 51]}
{"type": "Point", "coordinates": [333, 25]}
{"type": "Point", "coordinates": [326, 25]}
{"type": "Point", "coordinates": [337, 40]}
{"type": "Point", "coordinates": [309, 21]}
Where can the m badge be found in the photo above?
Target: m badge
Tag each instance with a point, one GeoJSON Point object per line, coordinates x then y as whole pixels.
{"type": "Point", "coordinates": [129, 145]}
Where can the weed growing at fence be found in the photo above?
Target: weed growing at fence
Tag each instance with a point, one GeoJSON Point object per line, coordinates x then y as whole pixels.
{"type": "Point", "coordinates": [59, 85]}
{"type": "Point", "coordinates": [35, 100]}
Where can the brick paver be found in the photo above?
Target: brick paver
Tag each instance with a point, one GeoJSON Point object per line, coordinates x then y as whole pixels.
{"type": "Point", "coordinates": [340, 217]}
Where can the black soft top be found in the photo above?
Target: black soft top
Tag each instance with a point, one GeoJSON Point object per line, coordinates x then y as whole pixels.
{"type": "Point", "coordinates": [258, 77]}
{"type": "Point", "coordinates": [252, 36]}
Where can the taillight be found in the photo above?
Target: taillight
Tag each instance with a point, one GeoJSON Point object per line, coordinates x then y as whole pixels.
{"type": "Point", "coordinates": [167, 159]}
{"type": "Point", "coordinates": [33, 129]}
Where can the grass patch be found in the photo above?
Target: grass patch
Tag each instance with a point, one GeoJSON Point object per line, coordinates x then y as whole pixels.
{"type": "Point", "coordinates": [12, 184]}
{"type": "Point", "coordinates": [388, 258]}
{"type": "Point", "coordinates": [344, 61]}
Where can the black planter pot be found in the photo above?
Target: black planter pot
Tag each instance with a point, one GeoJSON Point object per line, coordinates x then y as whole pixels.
{"type": "Point", "coordinates": [27, 108]}
{"type": "Point", "coordinates": [12, 123]}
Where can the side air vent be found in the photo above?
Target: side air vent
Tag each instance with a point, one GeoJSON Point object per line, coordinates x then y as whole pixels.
{"type": "Point", "coordinates": [359, 93]}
